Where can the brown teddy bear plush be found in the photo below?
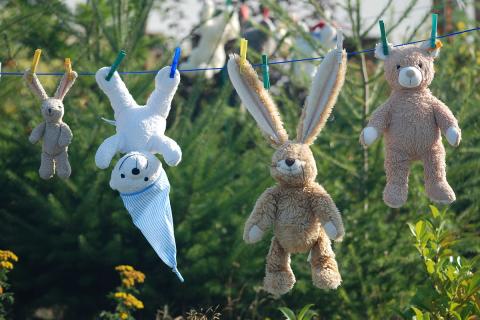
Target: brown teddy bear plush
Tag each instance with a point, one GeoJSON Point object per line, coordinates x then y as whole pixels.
{"type": "Point", "coordinates": [301, 212]}
{"type": "Point", "coordinates": [412, 121]}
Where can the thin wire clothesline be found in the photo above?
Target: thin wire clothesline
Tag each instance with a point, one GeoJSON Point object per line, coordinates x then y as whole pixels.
{"type": "Point", "coordinates": [254, 65]}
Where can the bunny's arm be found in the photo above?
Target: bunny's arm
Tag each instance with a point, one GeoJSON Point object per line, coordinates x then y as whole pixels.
{"type": "Point", "coordinates": [261, 218]}
{"type": "Point", "coordinates": [37, 133]}
{"type": "Point", "coordinates": [107, 151]}
{"type": "Point", "coordinates": [379, 121]}
{"type": "Point", "coordinates": [447, 122]}
{"type": "Point", "coordinates": [115, 89]}
{"type": "Point", "coordinates": [330, 218]}
{"type": "Point", "coordinates": [65, 135]}
{"type": "Point", "coordinates": [165, 87]}
{"type": "Point", "coordinates": [168, 148]}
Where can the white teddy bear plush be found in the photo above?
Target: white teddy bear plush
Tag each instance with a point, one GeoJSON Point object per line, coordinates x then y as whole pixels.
{"type": "Point", "coordinates": [139, 128]}
{"type": "Point", "coordinates": [144, 188]}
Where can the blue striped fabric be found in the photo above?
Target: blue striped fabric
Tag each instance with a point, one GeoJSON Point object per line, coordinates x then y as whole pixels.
{"type": "Point", "coordinates": [151, 213]}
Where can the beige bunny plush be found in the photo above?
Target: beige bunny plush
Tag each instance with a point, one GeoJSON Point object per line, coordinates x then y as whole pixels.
{"type": "Point", "coordinates": [301, 212]}
{"type": "Point", "coordinates": [412, 121]}
{"type": "Point", "coordinates": [56, 134]}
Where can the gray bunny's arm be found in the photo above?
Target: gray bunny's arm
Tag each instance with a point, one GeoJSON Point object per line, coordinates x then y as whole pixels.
{"type": "Point", "coordinates": [65, 135]}
{"type": "Point", "coordinates": [37, 133]}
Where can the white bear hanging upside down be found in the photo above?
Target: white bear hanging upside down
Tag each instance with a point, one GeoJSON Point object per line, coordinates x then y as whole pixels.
{"type": "Point", "coordinates": [139, 128]}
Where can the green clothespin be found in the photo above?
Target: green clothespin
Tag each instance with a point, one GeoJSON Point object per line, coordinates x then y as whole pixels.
{"type": "Point", "coordinates": [228, 2]}
{"type": "Point", "coordinates": [115, 64]}
{"type": "Point", "coordinates": [266, 76]}
{"type": "Point", "coordinates": [384, 37]}
{"type": "Point", "coordinates": [433, 35]}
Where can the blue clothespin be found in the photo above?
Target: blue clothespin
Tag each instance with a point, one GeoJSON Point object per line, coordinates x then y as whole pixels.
{"type": "Point", "coordinates": [176, 57]}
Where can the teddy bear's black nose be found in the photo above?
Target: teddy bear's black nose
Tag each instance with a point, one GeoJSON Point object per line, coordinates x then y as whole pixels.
{"type": "Point", "coordinates": [135, 171]}
{"type": "Point", "coordinates": [289, 162]}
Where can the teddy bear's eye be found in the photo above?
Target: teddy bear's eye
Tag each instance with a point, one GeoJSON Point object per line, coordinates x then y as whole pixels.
{"type": "Point", "coordinates": [398, 66]}
{"type": "Point", "coordinates": [122, 176]}
{"type": "Point", "coordinates": [420, 65]}
{"type": "Point", "coordinates": [145, 179]}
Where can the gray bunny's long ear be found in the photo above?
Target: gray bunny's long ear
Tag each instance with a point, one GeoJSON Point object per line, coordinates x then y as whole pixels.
{"type": "Point", "coordinates": [65, 84]}
{"type": "Point", "coordinates": [34, 84]}
{"type": "Point", "coordinates": [257, 100]}
{"type": "Point", "coordinates": [323, 94]}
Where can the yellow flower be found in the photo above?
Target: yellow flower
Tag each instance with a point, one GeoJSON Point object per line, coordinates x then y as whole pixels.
{"type": "Point", "coordinates": [6, 265]}
{"type": "Point", "coordinates": [129, 300]}
{"type": "Point", "coordinates": [123, 315]}
{"type": "Point", "coordinates": [6, 255]}
{"type": "Point", "coordinates": [461, 25]}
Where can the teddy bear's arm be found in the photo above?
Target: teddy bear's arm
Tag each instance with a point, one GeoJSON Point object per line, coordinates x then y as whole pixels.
{"type": "Point", "coordinates": [330, 218]}
{"type": "Point", "coordinates": [261, 218]}
{"type": "Point", "coordinates": [37, 133]}
{"type": "Point", "coordinates": [447, 123]}
{"type": "Point", "coordinates": [168, 148]}
{"type": "Point", "coordinates": [165, 87]}
{"type": "Point", "coordinates": [107, 151]}
{"type": "Point", "coordinates": [379, 121]}
{"type": "Point", "coordinates": [65, 135]}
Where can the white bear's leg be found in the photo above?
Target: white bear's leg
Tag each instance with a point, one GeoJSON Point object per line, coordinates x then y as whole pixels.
{"type": "Point", "coordinates": [107, 151]}
{"type": "Point", "coordinates": [116, 91]}
{"type": "Point", "coordinates": [165, 87]}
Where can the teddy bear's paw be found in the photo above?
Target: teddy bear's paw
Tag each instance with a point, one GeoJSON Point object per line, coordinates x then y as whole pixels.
{"type": "Point", "coordinates": [394, 195]}
{"type": "Point", "coordinates": [368, 136]}
{"type": "Point", "coordinates": [327, 276]}
{"type": "Point", "coordinates": [440, 193]}
{"type": "Point", "coordinates": [278, 283]}
{"type": "Point", "coordinates": [254, 235]}
{"type": "Point", "coordinates": [453, 136]}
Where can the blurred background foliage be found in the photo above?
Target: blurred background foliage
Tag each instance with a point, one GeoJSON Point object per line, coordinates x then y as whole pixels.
{"type": "Point", "coordinates": [70, 234]}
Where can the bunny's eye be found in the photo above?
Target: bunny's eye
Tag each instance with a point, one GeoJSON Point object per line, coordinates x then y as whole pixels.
{"type": "Point", "coordinates": [122, 176]}
{"type": "Point", "coordinates": [420, 65]}
{"type": "Point", "coordinates": [398, 66]}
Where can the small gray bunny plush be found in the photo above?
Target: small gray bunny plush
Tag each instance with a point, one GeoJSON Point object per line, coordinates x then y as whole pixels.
{"type": "Point", "coordinates": [56, 134]}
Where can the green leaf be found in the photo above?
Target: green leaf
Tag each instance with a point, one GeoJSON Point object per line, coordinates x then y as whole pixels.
{"type": "Point", "coordinates": [430, 266]}
{"type": "Point", "coordinates": [434, 210]}
{"type": "Point", "coordinates": [288, 313]}
{"type": "Point", "coordinates": [305, 309]}
{"type": "Point", "coordinates": [412, 229]}
{"type": "Point", "coordinates": [420, 229]}
{"type": "Point", "coordinates": [418, 313]}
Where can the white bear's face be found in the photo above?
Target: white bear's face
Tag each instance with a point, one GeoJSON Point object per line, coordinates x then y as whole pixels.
{"type": "Point", "coordinates": [135, 171]}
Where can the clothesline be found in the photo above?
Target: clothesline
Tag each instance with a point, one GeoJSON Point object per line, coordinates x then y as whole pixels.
{"type": "Point", "coordinates": [255, 65]}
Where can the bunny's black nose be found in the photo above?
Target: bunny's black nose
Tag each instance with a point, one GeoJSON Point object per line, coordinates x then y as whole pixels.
{"type": "Point", "coordinates": [135, 171]}
{"type": "Point", "coordinates": [49, 110]}
{"type": "Point", "coordinates": [289, 162]}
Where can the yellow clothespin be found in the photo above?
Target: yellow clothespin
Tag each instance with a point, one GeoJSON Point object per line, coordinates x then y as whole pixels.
{"type": "Point", "coordinates": [36, 59]}
{"type": "Point", "coordinates": [243, 53]}
{"type": "Point", "coordinates": [68, 68]}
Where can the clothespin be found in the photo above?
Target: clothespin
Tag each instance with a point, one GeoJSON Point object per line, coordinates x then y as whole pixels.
{"type": "Point", "coordinates": [36, 59]}
{"type": "Point", "coordinates": [339, 47]}
{"type": "Point", "coordinates": [384, 37]}
{"type": "Point", "coordinates": [433, 35]}
{"type": "Point", "coordinates": [0, 70]}
{"type": "Point", "coordinates": [228, 3]}
{"type": "Point", "coordinates": [243, 53]}
{"type": "Point", "coordinates": [176, 58]}
{"type": "Point", "coordinates": [266, 76]}
{"type": "Point", "coordinates": [115, 64]}
{"type": "Point", "coordinates": [68, 68]}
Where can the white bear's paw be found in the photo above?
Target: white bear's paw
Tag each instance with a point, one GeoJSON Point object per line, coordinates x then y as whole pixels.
{"type": "Point", "coordinates": [453, 136]}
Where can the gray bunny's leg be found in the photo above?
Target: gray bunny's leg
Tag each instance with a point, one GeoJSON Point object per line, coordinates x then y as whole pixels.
{"type": "Point", "coordinates": [63, 166]}
{"type": "Point", "coordinates": [47, 167]}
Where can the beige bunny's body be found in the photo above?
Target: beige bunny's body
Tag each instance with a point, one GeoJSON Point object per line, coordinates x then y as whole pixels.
{"type": "Point", "coordinates": [55, 133]}
{"type": "Point", "coordinates": [302, 214]}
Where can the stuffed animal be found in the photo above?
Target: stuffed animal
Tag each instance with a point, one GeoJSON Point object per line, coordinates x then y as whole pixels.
{"type": "Point", "coordinates": [56, 134]}
{"type": "Point", "coordinates": [139, 128]}
{"type": "Point", "coordinates": [144, 188]}
{"type": "Point", "coordinates": [301, 212]}
{"type": "Point", "coordinates": [214, 34]}
{"type": "Point", "coordinates": [412, 121]}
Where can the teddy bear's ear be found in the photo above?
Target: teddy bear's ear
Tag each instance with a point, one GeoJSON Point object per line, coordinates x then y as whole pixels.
{"type": "Point", "coordinates": [379, 54]}
{"type": "Point", "coordinates": [432, 52]}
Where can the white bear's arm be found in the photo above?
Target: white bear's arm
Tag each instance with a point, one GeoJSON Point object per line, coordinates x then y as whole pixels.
{"type": "Point", "coordinates": [107, 151]}
{"type": "Point", "coordinates": [37, 133]}
{"type": "Point", "coordinates": [447, 123]}
{"type": "Point", "coordinates": [115, 90]}
{"type": "Point", "coordinates": [168, 148]}
{"type": "Point", "coordinates": [161, 98]}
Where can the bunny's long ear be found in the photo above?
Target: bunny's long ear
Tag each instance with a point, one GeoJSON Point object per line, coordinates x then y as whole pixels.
{"type": "Point", "coordinates": [34, 84]}
{"type": "Point", "coordinates": [65, 84]}
{"type": "Point", "coordinates": [257, 100]}
{"type": "Point", "coordinates": [323, 95]}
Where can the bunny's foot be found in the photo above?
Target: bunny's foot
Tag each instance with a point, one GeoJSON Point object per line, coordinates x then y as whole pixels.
{"type": "Point", "coordinates": [325, 273]}
{"type": "Point", "coordinates": [63, 166]}
{"type": "Point", "coordinates": [279, 277]}
{"type": "Point", "coordinates": [47, 167]}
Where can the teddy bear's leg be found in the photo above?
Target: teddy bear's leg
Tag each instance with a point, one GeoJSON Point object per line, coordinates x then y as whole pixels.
{"type": "Point", "coordinates": [397, 169]}
{"type": "Point", "coordinates": [63, 165]}
{"type": "Point", "coordinates": [325, 273]}
{"type": "Point", "coordinates": [47, 167]}
{"type": "Point", "coordinates": [279, 277]}
{"type": "Point", "coordinates": [436, 185]}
